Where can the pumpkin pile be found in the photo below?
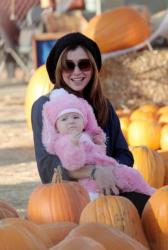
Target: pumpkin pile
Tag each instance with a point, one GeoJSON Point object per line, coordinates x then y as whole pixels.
{"type": "Point", "coordinates": [145, 132]}
{"type": "Point", "coordinates": [107, 223]}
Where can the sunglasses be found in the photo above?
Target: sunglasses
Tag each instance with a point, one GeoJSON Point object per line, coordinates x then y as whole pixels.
{"type": "Point", "coordinates": [83, 65]}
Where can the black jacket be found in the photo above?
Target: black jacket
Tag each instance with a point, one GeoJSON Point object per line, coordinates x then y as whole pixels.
{"type": "Point", "coordinates": [115, 142]}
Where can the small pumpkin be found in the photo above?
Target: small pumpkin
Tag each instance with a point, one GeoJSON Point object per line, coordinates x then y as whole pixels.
{"type": "Point", "coordinates": [155, 219]}
{"type": "Point", "coordinates": [116, 211]}
{"type": "Point", "coordinates": [140, 114]}
{"type": "Point", "coordinates": [149, 107]}
{"type": "Point", "coordinates": [144, 133]}
{"type": "Point", "coordinates": [150, 164]}
{"type": "Point", "coordinates": [114, 29]}
{"type": "Point", "coordinates": [57, 201]}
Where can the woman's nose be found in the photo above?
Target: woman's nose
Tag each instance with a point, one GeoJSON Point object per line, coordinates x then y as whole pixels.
{"type": "Point", "coordinates": [77, 70]}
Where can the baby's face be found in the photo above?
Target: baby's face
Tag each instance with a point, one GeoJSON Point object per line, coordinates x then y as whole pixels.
{"type": "Point", "coordinates": [70, 123]}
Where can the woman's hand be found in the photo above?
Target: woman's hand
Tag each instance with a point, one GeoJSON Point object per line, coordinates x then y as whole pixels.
{"type": "Point", "coordinates": [103, 176]}
{"type": "Point", "coordinates": [106, 181]}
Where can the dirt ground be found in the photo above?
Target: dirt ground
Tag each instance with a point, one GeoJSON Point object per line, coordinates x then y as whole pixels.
{"type": "Point", "coordinates": [18, 171]}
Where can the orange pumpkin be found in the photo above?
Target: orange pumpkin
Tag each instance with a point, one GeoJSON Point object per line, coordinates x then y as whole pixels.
{"type": "Point", "coordinates": [155, 219]}
{"type": "Point", "coordinates": [31, 227]}
{"type": "Point", "coordinates": [164, 138]}
{"type": "Point", "coordinates": [56, 202]}
{"type": "Point", "coordinates": [162, 110]}
{"type": "Point", "coordinates": [108, 236]}
{"type": "Point", "coordinates": [124, 123]}
{"type": "Point", "coordinates": [57, 231]}
{"type": "Point", "coordinates": [116, 30]}
{"type": "Point", "coordinates": [14, 237]}
{"type": "Point", "coordinates": [116, 211]}
{"type": "Point", "coordinates": [80, 242]}
{"type": "Point", "coordinates": [7, 210]}
{"type": "Point", "coordinates": [163, 118]}
{"type": "Point", "coordinates": [164, 155]}
{"type": "Point", "coordinates": [144, 133]}
{"type": "Point", "coordinates": [139, 114]}
{"type": "Point", "coordinates": [38, 85]}
{"type": "Point", "coordinates": [150, 164]}
{"type": "Point", "coordinates": [149, 107]}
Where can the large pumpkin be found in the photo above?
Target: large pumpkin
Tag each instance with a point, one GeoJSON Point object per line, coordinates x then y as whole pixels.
{"type": "Point", "coordinates": [116, 211]}
{"type": "Point", "coordinates": [80, 242]}
{"type": "Point", "coordinates": [14, 237]}
{"type": "Point", "coordinates": [56, 202]}
{"type": "Point", "coordinates": [31, 228]}
{"type": "Point", "coordinates": [38, 85]}
{"type": "Point", "coordinates": [155, 219]}
{"type": "Point", "coordinates": [108, 236]}
{"type": "Point", "coordinates": [144, 133]}
{"type": "Point", "coordinates": [150, 164]}
{"type": "Point", "coordinates": [57, 231]}
{"type": "Point", "coordinates": [117, 29]}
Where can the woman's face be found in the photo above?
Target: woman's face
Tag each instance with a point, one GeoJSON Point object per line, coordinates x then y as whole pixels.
{"type": "Point", "coordinates": [78, 69]}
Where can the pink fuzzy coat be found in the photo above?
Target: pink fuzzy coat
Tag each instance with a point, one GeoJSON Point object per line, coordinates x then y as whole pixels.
{"type": "Point", "coordinates": [75, 157]}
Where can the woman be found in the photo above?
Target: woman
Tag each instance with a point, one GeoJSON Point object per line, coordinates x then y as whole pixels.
{"type": "Point", "coordinates": [74, 64]}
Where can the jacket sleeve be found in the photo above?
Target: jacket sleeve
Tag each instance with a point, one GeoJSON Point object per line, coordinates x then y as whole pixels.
{"type": "Point", "coordinates": [45, 162]}
{"type": "Point", "coordinates": [117, 146]}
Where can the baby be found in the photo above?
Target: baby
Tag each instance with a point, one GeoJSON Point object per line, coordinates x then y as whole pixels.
{"type": "Point", "coordinates": [70, 131]}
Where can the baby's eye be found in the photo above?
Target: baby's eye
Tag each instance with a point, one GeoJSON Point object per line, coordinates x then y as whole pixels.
{"type": "Point", "coordinates": [63, 119]}
{"type": "Point", "coordinates": [76, 117]}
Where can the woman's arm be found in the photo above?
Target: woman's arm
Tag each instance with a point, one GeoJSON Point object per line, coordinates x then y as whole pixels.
{"type": "Point", "coordinates": [45, 161]}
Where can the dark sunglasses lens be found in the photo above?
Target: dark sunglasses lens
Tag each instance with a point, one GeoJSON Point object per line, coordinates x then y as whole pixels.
{"type": "Point", "coordinates": [69, 66]}
{"type": "Point", "coordinates": [84, 65]}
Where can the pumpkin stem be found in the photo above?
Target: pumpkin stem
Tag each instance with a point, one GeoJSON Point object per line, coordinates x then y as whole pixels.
{"type": "Point", "coordinates": [57, 176]}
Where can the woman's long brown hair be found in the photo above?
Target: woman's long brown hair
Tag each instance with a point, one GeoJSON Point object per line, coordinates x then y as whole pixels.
{"type": "Point", "coordinates": [93, 92]}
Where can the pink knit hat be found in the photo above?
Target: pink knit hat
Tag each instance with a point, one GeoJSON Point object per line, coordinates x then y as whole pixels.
{"type": "Point", "coordinates": [62, 102]}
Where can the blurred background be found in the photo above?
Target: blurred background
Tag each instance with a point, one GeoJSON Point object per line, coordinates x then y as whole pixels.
{"type": "Point", "coordinates": [28, 29]}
